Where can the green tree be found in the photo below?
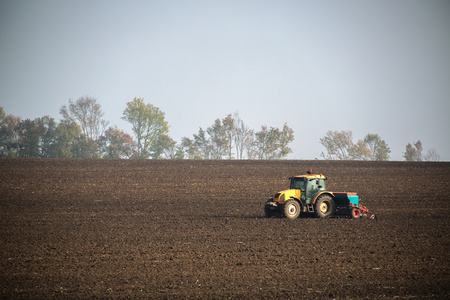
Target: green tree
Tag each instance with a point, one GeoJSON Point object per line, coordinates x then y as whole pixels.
{"type": "Point", "coordinates": [30, 136]}
{"type": "Point", "coordinates": [214, 143]}
{"type": "Point", "coordinates": [67, 138]}
{"type": "Point", "coordinates": [49, 138]}
{"type": "Point", "coordinates": [167, 148]}
{"type": "Point", "coordinates": [202, 144]}
{"type": "Point", "coordinates": [218, 140]}
{"type": "Point", "coordinates": [3, 137]}
{"type": "Point", "coordinates": [84, 148]}
{"type": "Point", "coordinates": [148, 124]}
{"type": "Point", "coordinates": [190, 148]}
{"type": "Point", "coordinates": [273, 143]}
{"type": "Point", "coordinates": [413, 152]}
{"type": "Point", "coordinates": [36, 137]}
{"type": "Point", "coordinates": [9, 134]}
{"type": "Point", "coordinates": [262, 143]}
{"type": "Point", "coordinates": [286, 136]}
{"type": "Point", "coordinates": [266, 141]}
{"type": "Point", "coordinates": [378, 148]}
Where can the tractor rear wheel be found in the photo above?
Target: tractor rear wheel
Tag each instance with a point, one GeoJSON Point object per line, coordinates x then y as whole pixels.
{"type": "Point", "coordinates": [325, 207]}
{"type": "Point", "coordinates": [291, 209]}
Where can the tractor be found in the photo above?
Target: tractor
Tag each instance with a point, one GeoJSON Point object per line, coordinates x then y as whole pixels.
{"type": "Point", "coordinates": [307, 195]}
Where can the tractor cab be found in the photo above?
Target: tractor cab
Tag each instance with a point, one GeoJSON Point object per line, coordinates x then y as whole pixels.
{"type": "Point", "coordinates": [309, 185]}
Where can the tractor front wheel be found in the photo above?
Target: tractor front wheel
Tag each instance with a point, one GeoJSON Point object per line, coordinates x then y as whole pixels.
{"type": "Point", "coordinates": [291, 209]}
{"type": "Point", "coordinates": [325, 207]}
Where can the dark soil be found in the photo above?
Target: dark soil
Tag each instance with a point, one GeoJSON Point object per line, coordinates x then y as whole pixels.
{"type": "Point", "coordinates": [196, 229]}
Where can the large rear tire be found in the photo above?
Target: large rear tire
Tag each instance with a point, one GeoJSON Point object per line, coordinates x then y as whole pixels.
{"type": "Point", "coordinates": [291, 209]}
{"type": "Point", "coordinates": [325, 207]}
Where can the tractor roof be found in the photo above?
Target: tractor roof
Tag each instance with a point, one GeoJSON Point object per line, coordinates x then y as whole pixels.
{"type": "Point", "coordinates": [311, 176]}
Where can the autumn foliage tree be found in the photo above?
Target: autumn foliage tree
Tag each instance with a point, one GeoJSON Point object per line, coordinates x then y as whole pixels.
{"type": "Point", "coordinates": [339, 145]}
{"type": "Point", "coordinates": [115, 143]}
{"type": "Point", "coordinates": [413, 152]}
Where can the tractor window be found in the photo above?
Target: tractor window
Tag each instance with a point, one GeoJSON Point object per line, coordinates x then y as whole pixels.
{"type": "Point", "coordinates": [313, 188]}
{"type": "Point", "coordinates": [298, 183]}
{"type": "Point", "coordinates": [322, 184]}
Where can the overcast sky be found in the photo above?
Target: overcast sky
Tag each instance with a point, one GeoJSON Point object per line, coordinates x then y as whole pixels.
{"type": "Point", "coordinates": [366, 66]}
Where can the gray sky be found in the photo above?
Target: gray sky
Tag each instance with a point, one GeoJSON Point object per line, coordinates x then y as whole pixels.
{"type": "Point", "coordinates": [366, 66]}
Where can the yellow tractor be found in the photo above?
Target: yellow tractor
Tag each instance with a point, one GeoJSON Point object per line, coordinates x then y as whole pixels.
{"type": "Point", "coordinates": [307, 195]}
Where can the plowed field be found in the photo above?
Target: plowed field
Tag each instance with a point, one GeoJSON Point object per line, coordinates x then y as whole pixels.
{"type": "Point", "coordinates": [196, 229]}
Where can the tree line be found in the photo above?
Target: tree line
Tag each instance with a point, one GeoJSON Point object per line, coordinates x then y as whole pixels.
{"type": "Point", "coordinates": [231, 134]}
{"type": "Point", "coordinates": [339, 145]}
{"type": "Point", "coordinates": [83, 133]}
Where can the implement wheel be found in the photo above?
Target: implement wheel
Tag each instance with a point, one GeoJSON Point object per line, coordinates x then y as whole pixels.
{"type": "Point", "coordinates": [325, 207]}
{"type": "Point", "coordinates": [356, 214]}
{"type": "Point", "coordinates": [291, 209]}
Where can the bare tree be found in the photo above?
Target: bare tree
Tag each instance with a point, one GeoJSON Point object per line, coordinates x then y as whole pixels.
{"type": "Point", "coordinates": [432, 155]}
{"type": "Point", "coordinates": [241, 135]}
{"type": "Point", "coordinates": [229, 130]}
{"type": "Point", "coordinates": [250, 145]}
{"type": "Point", "coordinates": [337, 144]}
{"type": "Point", "coordinates": [88, 113]}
